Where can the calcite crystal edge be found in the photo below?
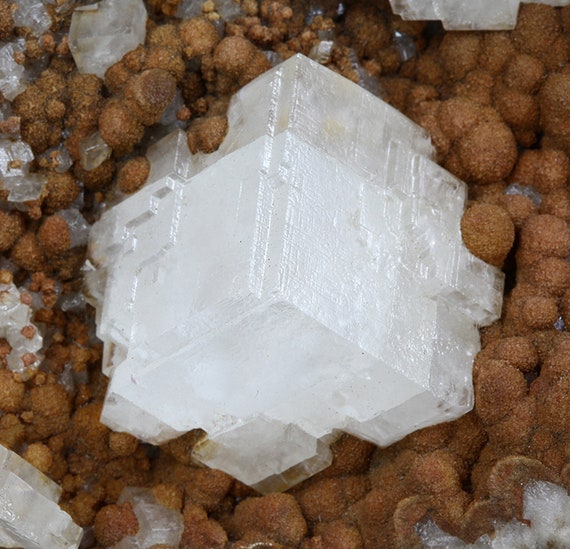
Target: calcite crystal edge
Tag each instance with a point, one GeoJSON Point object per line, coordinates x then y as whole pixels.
{"type": "Point", "coordinates": [302, 280]}
{"type": "Point", "coordinates": [29, 514]}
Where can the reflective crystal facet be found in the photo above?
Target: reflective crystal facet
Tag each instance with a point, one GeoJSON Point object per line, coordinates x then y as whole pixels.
{"type": "Point", "coordinates": [467, 14]}
{"type": "Point", "coordinates": [12, 80]}
{"type": "Point", "coordinates": [29, 514]}
{"type": "Point", "coordinates": [100, 34]}
{"type": "Point", "coordinates": [307, 277]}
{"type": "Point", "coordinates": [33, 15]}
{"type": "Point", "coordinates": [15, 158]}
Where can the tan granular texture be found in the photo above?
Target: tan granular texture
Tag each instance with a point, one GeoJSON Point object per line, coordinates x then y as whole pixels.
{"type": "Point", "coordinates": [488, 232]}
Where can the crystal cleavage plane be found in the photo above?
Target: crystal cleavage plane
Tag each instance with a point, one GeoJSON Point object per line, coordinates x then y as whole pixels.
{"type": "Point", "coordinates": [307, 278]}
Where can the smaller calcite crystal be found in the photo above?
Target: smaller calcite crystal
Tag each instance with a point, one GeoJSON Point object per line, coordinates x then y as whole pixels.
{"type": "Point", "coordinates": [29, 514]}
{"type": "Point", "coordinates": [467, 14]}
{"type": "Point", "coordinates": [15, 176]}
{"type": "Point", "coordinates": [100, 34]}
{"type": "Point", "coordinates": [158, 525]}
{"type": "Point", "coordinates": [32, 14]}
{"type": "Point", "coordinates": [11, 73]}
{"type": "Point", "coordinates": [16, 327]}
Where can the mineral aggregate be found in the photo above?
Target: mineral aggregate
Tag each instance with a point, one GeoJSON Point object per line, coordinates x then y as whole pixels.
{"type": "Point", "coordinates": [468, 475]}
{"type": "Point", "coordinates": [324, 250]}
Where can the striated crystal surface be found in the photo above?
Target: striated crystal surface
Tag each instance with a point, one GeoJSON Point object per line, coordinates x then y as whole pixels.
{"type": "Point", "coordinates": [16, 327]}
{"type": "Point", "coordinates": [100, 34]}
{"type": "Point", "coordinates": [94, 151]}
{"type": "Point", "coordinates": [467, 14]}
{"type": "Point", "coordinates": [29, 514]}
{"type": "Point", "coordinates": [158, 525]}
{"type": "Point", "coordinates": [15, 158]}
{"type": "Point", "coordinates": [303, 279]}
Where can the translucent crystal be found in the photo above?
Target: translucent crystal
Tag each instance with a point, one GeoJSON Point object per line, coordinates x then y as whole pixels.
{"type": "Point", "coordinates": [467, 14]}
{"type": "Point", "coordinates": [157, 524]}
{"type": "Point", "coordinates": [525, 190]}
{"type": "Point", "coordinates": [11, 73]}
{"type": "Point", "coordinates": [100, 34]}
{"type": "Point", "coordinates": [33, 15]}
{"type": "Point", "coordinates": [15, 158]}
{"type": "Point", "coordinates": [16, 327]}
{"type": "Point", "coordinates": [93, 151]}
{"type": "Point", "coordinates": [307, 277]}
{"type": "Point", "coordinates": [29, 514]}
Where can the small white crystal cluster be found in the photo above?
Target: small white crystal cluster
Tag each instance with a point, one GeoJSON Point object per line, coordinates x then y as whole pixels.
{"type": "Point", "coordinates": [29, 514]}
{"type": "Point", "coordinates": [546, 506]}
{"type": "Point", "coordinates": [158, 525]}
{"type": "Point", "coordinates": [15, 176]}
{"type": "Point", "coordinates": [101, 34]}
{"type": "Point", "coordinates": [15, 326]}
{"type": "Point", "coordinates": [307, 277]}
{"type": "Point", "coordinates": [467, 14]}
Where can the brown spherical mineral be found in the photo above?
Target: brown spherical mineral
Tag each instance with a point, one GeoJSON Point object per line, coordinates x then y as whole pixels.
{"type": "Point", "coordinates": [11, 392]}
{"type": "Point", "coordinates": [6, 20]}
{"type": "Point", "coordinates": [488, 153]}
{"type": "Point", "coordinates": [277, 516]}
{"type": "Point", "coordinates": [151, 92]}
{"type": "Point", "coordinates": [11, 228]}
{"type": "Point", "coordinates": [114, 522]}
{"type": "Point", "coordinates": [61, 189]}
{"type": "Point", "coordinates": [488, 232]}
{"type": "Point", "coordinates": [207, 134]}
{"type": "Point", "coordinates": [132, 176]}
{"type": "Point", "coordinates": [54, 236]}
{"type": "Point", "coordinates": [119, 128]}
{"type": "Point", "coordinates": [198, 37]}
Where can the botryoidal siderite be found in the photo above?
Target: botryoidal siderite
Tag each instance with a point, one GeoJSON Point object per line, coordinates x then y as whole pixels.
{"type": "Point", "coordinates": [307, 278]}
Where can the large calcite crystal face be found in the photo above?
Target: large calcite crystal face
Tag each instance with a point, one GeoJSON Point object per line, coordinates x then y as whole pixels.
{"type": "Point", "coordinates": [29, 514]}
{"type": "Point", "coordinates": [306, 278]}
{"type": "Point", "coordinates": [467, 14]}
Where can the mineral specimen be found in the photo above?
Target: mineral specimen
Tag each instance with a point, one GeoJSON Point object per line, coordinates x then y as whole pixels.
{"type": "Point", "coordinates": [29, 514]}
{"type": "Point", "coordinates": [301, 280]}
{"type": "Point", "coordinates": [100, 34]}
{"type": "Point", "coordinates": [467, 14]}
{"type": "Point", "coordinates": [33, 15]}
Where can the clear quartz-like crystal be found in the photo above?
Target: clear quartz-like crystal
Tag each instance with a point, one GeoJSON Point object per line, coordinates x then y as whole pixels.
{"type": "Point", "coordinates": [93, 151]}
{"type": "Point", "coordinates": [12, 80]}
{"type": "Point", "coordinates": [33, 15]}
{"type": "Point", "coordinates": [467, 14]}
{"type": "Point", "coordinates": [29, 514]}
{"type": "Point", "coordinates": [158, 525]}
{"type": "Point", "coordinates": [100, 34]}
{"type": "Point", "coordinates": [306, 278]}
{"type": "Point", "coordinates": [15, 158]}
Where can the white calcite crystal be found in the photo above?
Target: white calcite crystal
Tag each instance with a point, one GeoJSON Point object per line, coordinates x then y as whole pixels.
{"type": "Point", "coordinates": [158, 525]}
{"type": "Point", "coordinates": [16, 327]}
{"type": "Point", "coordinates": [12, 80]}
{"type": "Point", "coordinates": [306, 278]}
{"type": "Point", "coordinates": [15, 176]}
{"type": "Point", "coordinates": [29, 514]}
{"type": "Point", "coordinates": [467, 14]}
{"type": "Point", "coordinates": [546, 509]}
{"type": "Point", "coordinates": [33, 15]}
{"type": "Point", "coordinates": [100, 34]}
